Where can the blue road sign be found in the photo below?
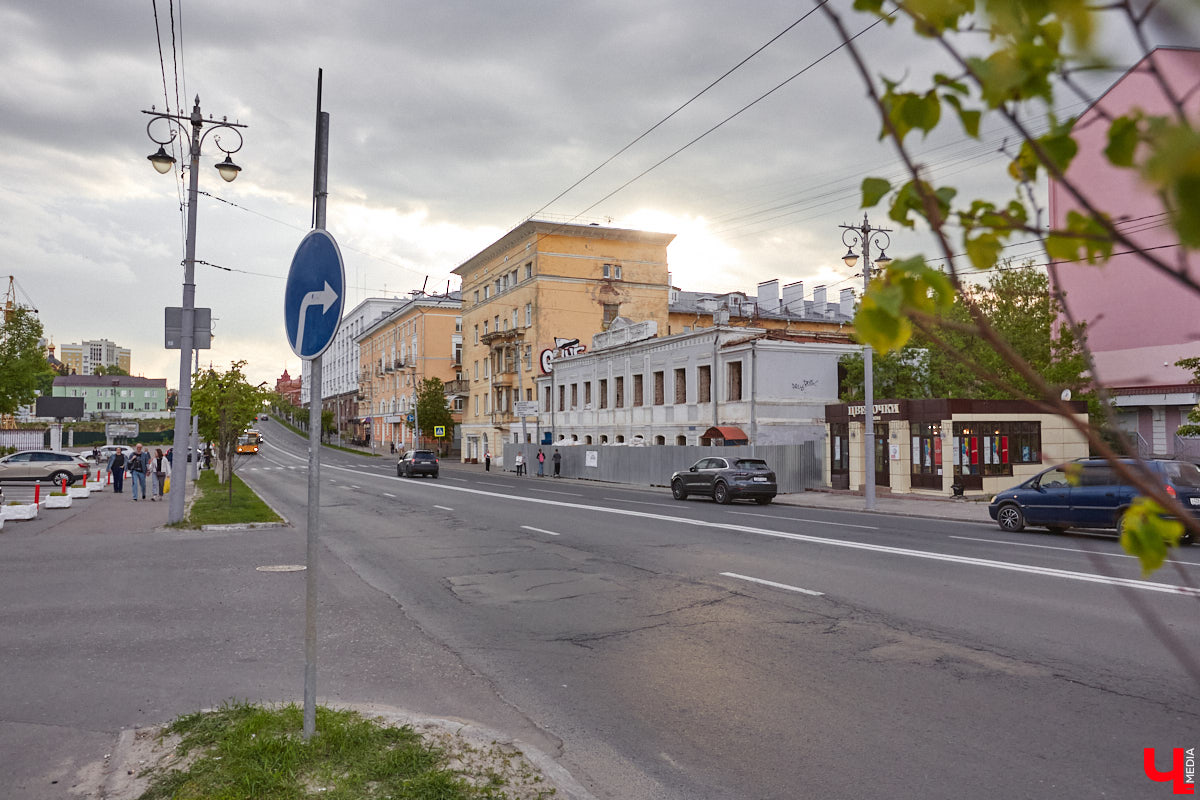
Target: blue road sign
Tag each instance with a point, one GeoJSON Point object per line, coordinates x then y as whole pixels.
{"type": "Point", "coordinates": [411, 419]}
{"type": "Point", "coordinates": [314, 295]}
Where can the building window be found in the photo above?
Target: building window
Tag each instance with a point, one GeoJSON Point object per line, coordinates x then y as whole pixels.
{"type": "Point", "coordinates": [547, 403]}
{"type": "Point", "coordinates": [660, 389]}
{"type": "Point", "coordinates": [612, 271]}
{"type": "Point", "coordinates": [681, 385]}
{"type": "Point", "coordinates": [528, 270]}
{"type": "Point", "coordinates": [515, 324]}
{"type": "Point", "coordinates": [660, 440]}
{"type": "Point", "coordinates": [574, 395]}
{"type": "Point", "coordinates": [681, 440]}
{"type": "Point", "coordinates": [458, 324]}
{"type": "Point", "coordinates": [562, 398]}
{"type": "Point", "coordinates": [476, 297]}
{"type": "Point", "coordinates": [485, 327]}
{"type": "Point", "coordinates": [637, 390]}
{"type": "Point", "coordinates": [487, 292]}
{"type": "Point", "coordinates": [587, 395]}
{"type": "Point", "coordinates": [991, 448]}
{"type": "Point", "coordinates": [604, 393]}
{"type": "Point", "coordinates": [458, 404]}
{"type": "Point", "coordinates": [734, 388]}
{"type": "Point", "coordinates": [610, 313]}
{"type": "Point", "coordinates": [476, 334]}
{"type": "Point", "coordinates": [528, 314]}
{"type": "Point", "coordinates": [457, 353]}
{"type": "Point", "coordinates": [619, 390]}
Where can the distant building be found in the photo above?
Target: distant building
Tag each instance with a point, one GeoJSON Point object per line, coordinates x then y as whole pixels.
{"type": "Point", "coordinates": [790, 312]}
{"type": "Point", "coordinates": [289, 388]}
{"type": "Point", "coordinates": [1140, 320]}
{"type": "Point", "coordinates": [82, 359]}
{"type": "Point", "coordinates": [116, 396]}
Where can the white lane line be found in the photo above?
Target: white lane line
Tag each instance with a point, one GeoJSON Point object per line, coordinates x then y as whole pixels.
{"type": "Point", "coordinates": [538, 530]}
{"type": "Point", "coordinates": [551, 491]}
{"type": "Point", "coordinates": [389, 494]}
{"type": "Point", "coordinates": [773, 583]}
{"type": "Point", "coordinates": [802, 519]}
{"type": "Point", "coordinates": [444, 508]}
{"type": "Point", "coordinates": [1132, 583]}
{"type": "Point", "coordinates": [1066, 549]}
{"type": "Point", "coordinates": [638, 502]}
{"type": "Point", "coordinates": [493, 483]}
{"type": "Point", "coordinates": [352, 486]}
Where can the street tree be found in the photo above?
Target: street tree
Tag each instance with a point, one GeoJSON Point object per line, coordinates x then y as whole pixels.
{"type": "Point", "coordinates": [226, 404]}
{"type": "Point", "coordinates": [24, 368]}
{"type": "Point", "coordinates": [1011, 62]}
{"type": "Point", "coordinates": [431, 408]}
{"type": "Point", "coordinates": [1192, 428]}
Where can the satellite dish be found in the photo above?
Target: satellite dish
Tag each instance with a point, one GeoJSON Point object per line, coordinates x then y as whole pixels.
{"type": "Point", "coordinates": [1066, 394]}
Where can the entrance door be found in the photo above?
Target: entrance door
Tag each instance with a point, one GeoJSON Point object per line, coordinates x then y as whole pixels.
{"type": "Point", "coordinates": [839, 455]}
{"type": "Point", "coordinates": [882, 474]}
{"type": "Point", "coordinates": [927, 455]}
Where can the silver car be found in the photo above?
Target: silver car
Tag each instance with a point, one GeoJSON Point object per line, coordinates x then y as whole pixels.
{"type": "Point", "coordinates": [43, 465]}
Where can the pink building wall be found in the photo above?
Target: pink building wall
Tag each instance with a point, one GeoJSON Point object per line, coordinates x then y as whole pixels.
{"type": "Point", "coordinates": [1139, 320]}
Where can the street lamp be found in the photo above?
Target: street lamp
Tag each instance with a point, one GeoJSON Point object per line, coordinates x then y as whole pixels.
{"type": "Point", "coordinates": [163, 162]}
{"type": "Point", "coordinates": [853, 235]}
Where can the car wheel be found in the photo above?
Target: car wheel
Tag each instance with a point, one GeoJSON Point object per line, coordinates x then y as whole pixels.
{"type": "Point", "coordinates": [399, 474]}
{"type": "Point", "coordinates": [58, 477]}
{"type": "Point", "coordinates": [762, 501]}
{"type": "Point", "coordinates": [1010, 518]}
{"type": "Point", "coordinates": [1119, 523]}
{"type": "Point", "coordinates": [1187, 539]}
{"type": "Point", "coordinates": [677, 490]}
{"type": "Point", "coordinates": [721, 494]}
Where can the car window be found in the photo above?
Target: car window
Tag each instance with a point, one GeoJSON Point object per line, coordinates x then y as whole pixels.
{"type": "Point", "coordinates": [44, 457]}
{"type": "Point", "coordinates": [1054, 479]}
{"type": "Point", "coordinates": [19, 458]}
{"type": "Point", "coordinates": [1182, 473]}
{"type": "Point", "coordinates": [751, 463]}
{"type": "Point", "coordinates": [1098, 475]}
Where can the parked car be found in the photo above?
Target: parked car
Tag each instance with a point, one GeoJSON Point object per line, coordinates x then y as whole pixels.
{"type": "Point", "coordinates": [725, 479]}
{"type": "Point", "coordinates": [1089, 494]}
{"type": "Point", "coordinates": [417, 462]}
{"type": "Point", "coordinates": [43, 465]}
{"type": "Point", "coordinates": [106, 451]}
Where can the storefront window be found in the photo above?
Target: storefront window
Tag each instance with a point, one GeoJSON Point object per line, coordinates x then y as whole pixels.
{"type": "Point", "coordinates": [991, 448]}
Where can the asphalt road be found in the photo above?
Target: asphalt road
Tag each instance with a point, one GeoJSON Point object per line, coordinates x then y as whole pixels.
{"type": "Point", "coordinates": [658, 649]}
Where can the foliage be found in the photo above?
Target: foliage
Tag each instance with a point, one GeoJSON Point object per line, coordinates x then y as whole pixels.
{"type": "Point", "coordinates": [1192, 428]}
{"type": "Point", "coordinates": [23, 365]}
{"type": "Point", "coordinates": [328, 424]}
{"type": "Point", "coordinates": [432, 410]}
{"type": "Point", "coordinates": [226, 404]}
{"type": "Point", "coordinates": [1032, 52]}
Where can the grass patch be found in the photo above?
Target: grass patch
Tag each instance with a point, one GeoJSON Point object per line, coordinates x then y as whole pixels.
{"type": "Point", "coordinates": [212, 507]}
{"type": "Point", "coordinates": [285, 423]}
{"type": "Point", "coordinates": [242, 750]}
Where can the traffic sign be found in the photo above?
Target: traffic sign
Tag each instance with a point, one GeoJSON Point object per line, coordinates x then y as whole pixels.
{"type": "Point", "coordinates": [314, 295]}
{"type": "Point", "coordinates": [411, 419]}
{"type": "Point", "coordinates": [439, 431]}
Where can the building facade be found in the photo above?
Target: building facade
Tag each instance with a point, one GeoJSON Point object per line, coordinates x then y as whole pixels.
{"type": "Point", "coordinates": [288, 388]}
{"type": "Point", "coordinates": [116, 396]}
{"type": "Point", "coordinates": [790, 312]}
{"type": "Point", "coordinates": [1140, 320]}
{"type": "Point", "coordinates": [537, 293]}
{"type": "Point", "coordinates": [83, 358]}
{"type": "Point", "coordinates": [707, 386]}
{"type": "Point", "coordinates": [421, 339]}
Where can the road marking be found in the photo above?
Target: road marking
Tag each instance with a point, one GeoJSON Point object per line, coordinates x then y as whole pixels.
{"type": "Point", "coordinates": [773, 583]}
{"type": "Point", "coordinates": [551, 491]}
{"type": "Point", "coordinates": [352, 486]}
{"type": "Point", "coordinates": [389, 494]}
{"type": "Point", "coordinates": [1131, 583]}
{"type": "Point", "coordinates": [539, 530]}
{"type": "Point", "coordinates": [802, 519]}
{"type": "Point", "coordinates": [1066, 549]}
{"type": "Point", "coordinates": [444, 508]}
{"type": "Point", "coordinates": [639, 502]}
{"type": "Point", "coordinates": [493, 483]}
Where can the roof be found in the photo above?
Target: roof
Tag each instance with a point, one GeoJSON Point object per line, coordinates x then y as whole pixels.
{"type": "Point", "coordinates": [727, 433]}
{"type": "Point", "coordinates": [126, 381]}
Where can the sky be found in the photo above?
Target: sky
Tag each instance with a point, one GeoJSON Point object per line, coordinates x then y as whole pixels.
{"type": "Point", "coordinates": [450, 124]}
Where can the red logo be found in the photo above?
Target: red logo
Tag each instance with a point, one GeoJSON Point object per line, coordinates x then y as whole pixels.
{"type": "Point", "coordinates": [1183, 769]}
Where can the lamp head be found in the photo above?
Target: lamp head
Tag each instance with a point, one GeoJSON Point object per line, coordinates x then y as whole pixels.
{"type": "Point", "coordinates": [228, 169]}
{"type": "Point", "coordinates": [884, 259]}
{"type": "Point", "coordinates": [162, 161]}
{"type": "Point", "coordinates": [850, 258]}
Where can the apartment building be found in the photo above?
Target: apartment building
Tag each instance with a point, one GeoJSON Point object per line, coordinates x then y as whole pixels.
{"type": "Point", "coordinates": [83, 358]}
{"type": "Point", "coordinates": [538, 293]}
{"type": "Point", "coordinates": [421, 339]}
{"type": "Point", "coordinates": [790, 312]}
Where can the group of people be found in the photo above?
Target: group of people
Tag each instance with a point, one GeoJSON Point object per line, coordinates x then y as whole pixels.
{"type": "Point", "coordinates": [519, 463]}
{"type": "Point", "coordinates": [141, 465]}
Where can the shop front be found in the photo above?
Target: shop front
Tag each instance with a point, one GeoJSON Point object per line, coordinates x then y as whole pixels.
{"type": "Point", "coordinates": [950, 446]}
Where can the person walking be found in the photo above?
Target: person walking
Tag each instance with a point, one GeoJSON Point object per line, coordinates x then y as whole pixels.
{"type": "Point", "coordinates": [139, 461]}
{"type": "Point", "coordinates": [557, 462]}
{"type": "Point", "coordinates": [519, 461]}
{"type": "Point", "coordinates": [161, 467]}
{"type": "Point", "coordinates": [116, 469]}
{"type": "Point", "coordinates": [541, 457]}
{"type": "Point", "coordinates": [487, 460]}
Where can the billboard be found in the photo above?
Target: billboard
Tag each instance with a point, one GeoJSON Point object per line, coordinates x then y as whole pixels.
{"type": "Point", "coordinates": [59, 407]}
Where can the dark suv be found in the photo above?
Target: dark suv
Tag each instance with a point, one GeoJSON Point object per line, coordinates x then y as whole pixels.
{"type": "Point", "coordinates": [1089, 494]}
{"type": "Point", "coordinates": [726, 479]}
{"type": "Point", "coordinates": [417, 462]}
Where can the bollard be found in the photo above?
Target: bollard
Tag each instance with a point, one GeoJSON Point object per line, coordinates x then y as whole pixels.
{"type": "Point", "coordinates": [85, 477]}
{"type": "Point", "coordinates": [37, 493]}
{"type": "Point", "coordinates": [64, 485]}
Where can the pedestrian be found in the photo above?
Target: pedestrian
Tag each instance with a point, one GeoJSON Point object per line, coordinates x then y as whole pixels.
{"type": "Point", "coordinates": [207, 455]}
{"type": "Point", "coordinates": [541, 457]}
{"type": "Point", "coordinates": [116, 470]}
{"type": "Point", "coordinates": [96, 453]}
{"type": "Point", "coordinates": [520, 462]}
{"type": "Point", "coordinates": [161, 467]}
{"type": "Point", "coordinates": [139, 461]}
{"type": "Point", "coordinates": [487, 460]}
{"type": "Point", "coordinates": [170, 454]}
{"type": "Point", "coordinates": [557, 461]}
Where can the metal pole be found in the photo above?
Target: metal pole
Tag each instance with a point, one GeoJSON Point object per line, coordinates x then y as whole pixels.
{"type": "Point", "coordinates": [183, 406]}
{"type": "Point", "coordinates": [868, 392]}
{"type": "Point", "coordinates": [314, 450]}
{"type": "Point", "coordinates": [194, 444]}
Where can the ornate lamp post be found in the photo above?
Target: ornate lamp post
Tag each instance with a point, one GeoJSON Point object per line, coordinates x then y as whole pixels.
{"type": "Point", "coordinates": [866, 235]}
{"type": "Point", "coordinates": [163, 162]}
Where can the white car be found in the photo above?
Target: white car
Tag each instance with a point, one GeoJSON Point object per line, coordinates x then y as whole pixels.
{"type": "Point", "coordinates": [106, 452]}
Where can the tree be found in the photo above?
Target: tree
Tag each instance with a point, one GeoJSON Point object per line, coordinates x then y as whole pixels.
{"type": "Point", "coordinates": [226, 404]}
{"type": "Point", "coordinates": [328, 425]}
{"type": "Point", "coordinates": [1032, 51]}
{"type": "Point", "coordinates": [108, 369]}
{"type": "Point", "coordinates": [1193, 426]}
{"type": "Point", "coordinates": [23, 365]}
{"type": "Point", "coordinates": [431, 407]}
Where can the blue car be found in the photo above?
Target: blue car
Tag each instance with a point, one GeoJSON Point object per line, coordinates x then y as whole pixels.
{"type": "Point", "coordinates": [1089, 494]}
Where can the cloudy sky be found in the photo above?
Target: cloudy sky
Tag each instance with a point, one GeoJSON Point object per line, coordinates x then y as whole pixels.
{"type": "Point", "coordinates": [451, 122]}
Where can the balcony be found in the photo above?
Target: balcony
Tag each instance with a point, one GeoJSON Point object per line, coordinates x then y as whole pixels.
{"type": "Point", "coordinates": [510, 335]}
{"type": "Point", "coordinates": [459, 386]}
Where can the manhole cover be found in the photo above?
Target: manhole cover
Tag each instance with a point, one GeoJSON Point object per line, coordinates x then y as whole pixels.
{"type": "Point", "coordinates": [282, 568]}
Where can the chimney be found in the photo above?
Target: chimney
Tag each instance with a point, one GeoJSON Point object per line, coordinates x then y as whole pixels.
{"type": "Point", "coordinates": [847, 303]}
{"type": "Point", "coordinates": [819, 307]}
{"type": "Point", "coordinates": [793, 298]}
{"type": "Point", "coordinates": [768, 296]}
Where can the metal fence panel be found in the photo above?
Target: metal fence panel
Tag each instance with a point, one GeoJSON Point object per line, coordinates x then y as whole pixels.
{"type": "Point", "coordinates": [797, 466]}
{"type": "Point", "coordinates": [24, 439]}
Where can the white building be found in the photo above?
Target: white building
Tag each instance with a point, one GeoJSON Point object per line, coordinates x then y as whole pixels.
{"type": "Point", "coordinates": [339, 365]}
{"type": "Point", "coordinates": [633, 387]}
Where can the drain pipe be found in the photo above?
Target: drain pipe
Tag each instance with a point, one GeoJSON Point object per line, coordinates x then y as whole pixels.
{"type": "Point", "coordinates": [714, 381]}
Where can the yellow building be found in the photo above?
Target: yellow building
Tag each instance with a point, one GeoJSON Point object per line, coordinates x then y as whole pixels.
{"type": "Point", "coordinates": [82, 359]}
{"type": "Point", "coordinates": [421, 339]}
{"type": "Point", "coordinates": [541, 291]}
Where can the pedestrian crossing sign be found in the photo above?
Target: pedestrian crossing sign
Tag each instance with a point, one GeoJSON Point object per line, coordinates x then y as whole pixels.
{"type": "Point", "coordinates": [439, 431]}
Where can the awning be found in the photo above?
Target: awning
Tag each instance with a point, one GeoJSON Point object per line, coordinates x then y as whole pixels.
{"type": "Point", "coordinates": [730, 434]}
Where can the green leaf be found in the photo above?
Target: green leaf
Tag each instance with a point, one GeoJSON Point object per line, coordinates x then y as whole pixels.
{"type": "Point", "coordinates": [1122, 141]}
{"type": "Point", "coordinates": [1084, 238]}
{"type": "Point", "coordinates": [1146, 534]}
{"type": "Point", "coordinates": [983, 251]}
{"type": "Point", "coordinates": [873, 190]}
{"type": "Point", "coordinates": [969, 119]}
